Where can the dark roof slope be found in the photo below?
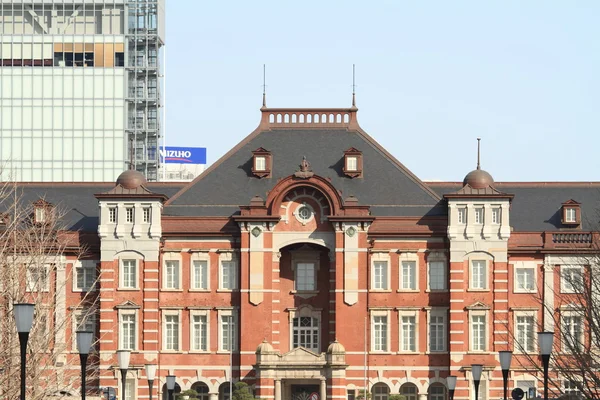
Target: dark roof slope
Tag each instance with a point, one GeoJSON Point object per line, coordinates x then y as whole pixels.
{"type": "Point", "coordinates": [537, 205]}
{"type": "Point", "coordinates": [386, 185]}
{"type": "Point", "coordinates": [77, 200]}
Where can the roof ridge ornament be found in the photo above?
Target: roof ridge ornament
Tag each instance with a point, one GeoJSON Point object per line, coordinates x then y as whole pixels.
{"type": "Point", "coordinates": [354, 88]}
{"type": "Point", "coordinates": [478, 150]}
{"type": "Point", "coordinates": [264, 85]}
{"type": "Point", "coordinates": [305, 170]}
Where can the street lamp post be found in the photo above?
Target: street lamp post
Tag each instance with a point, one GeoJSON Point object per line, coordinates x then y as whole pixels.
{"type": "Point", "coordinates": [545, 340]}
{"type": "Point", "coordinates": [170, 385]}
{"type": "Point", "coordinates": [123, 360]}
{"type": "Point", "coordinates": [150, 375]}
{"type": "Point", "coordinates": [23, 313]}
{"type": "Point", "coordinates": [451, 381]}
{"type": "Point", "coordinates": [505, 358]}
{"type": "Point", "coordinates": [476, 370]}
{"type": "Point", "coordinates": [84, 345]}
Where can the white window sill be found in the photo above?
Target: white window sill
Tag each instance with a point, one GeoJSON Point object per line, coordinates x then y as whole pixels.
{"type": "Point", "coordinates": [226, 290]}
{"type": "Point", "coordinates": [80, 290]}
{"type": "Point", "coordinates": [435, 352]}
{"type": "Point", "coordinates": [375, 353]}
{"type": "Point", "coordinates": [407, 352]}
{"type": "Point", "coordinates": [128, 289]}
{"type": "Point", "coordinates": [172, 290]}
{"type": "Point", "coordinates": [525, 291]}
{"type": "Point", "coordinates": [226, 352]}
{"type": "Point", "coordinates": [199, 351]}
{"type": "Point", "coordinates": [478, 352]}
{"type": "Point", "coordinates": [200, 290]}
{"type": "Point", "coordinates": [380, 290]}
{"type": "Point", "coordinates": [172, 352]}
{"type": "Point", "coordinates": [407, 291]}
{"type": "Point", "coordinates": [478, 290]}
{"type": "Point", "coordinates": [436, 290]}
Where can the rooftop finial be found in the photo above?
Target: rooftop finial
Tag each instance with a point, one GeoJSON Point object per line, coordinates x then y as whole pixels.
{"type": "Point", "coordinates": [264, 85]}
{"type": "Point", "coordinates": [353, 86]}
{"type": "Point", "coordinates": [478, 147]}
{"type": "Point", "coordinates": [131, 154]}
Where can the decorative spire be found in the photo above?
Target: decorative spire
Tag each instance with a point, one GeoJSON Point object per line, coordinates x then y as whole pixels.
{"type": "Point", "coordinates": [264, 86]}
{"type": "Point", "coordinates": [353, 86]}
{"type": "Point", "coordinates": [478, 148]}
{"type": "Point", "coordinates": [131, 154]}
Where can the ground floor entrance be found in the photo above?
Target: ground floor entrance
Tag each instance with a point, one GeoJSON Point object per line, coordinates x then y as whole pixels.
{"type": "Point", "coordinates": [304, 392]}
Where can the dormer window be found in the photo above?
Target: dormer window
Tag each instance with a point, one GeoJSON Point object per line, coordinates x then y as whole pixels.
{"type": "Point", "coordinates": [42, 212]}
{"type": "Point", "coordinates": [571, 213]}
{"type": "Point", "coordinates": [262, 163]}
{"type": "Point", "coordinates": [353, 163]}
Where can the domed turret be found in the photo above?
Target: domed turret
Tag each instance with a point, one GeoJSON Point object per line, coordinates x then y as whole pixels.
{"type": "Point", "coordinates": [264, 348]}
{"type": "Point", "coordinates": [478, 178]}
{"type": "Point", "coordinates": [131, 179]}
{"type": "Point", "coordinates": [336, 348]}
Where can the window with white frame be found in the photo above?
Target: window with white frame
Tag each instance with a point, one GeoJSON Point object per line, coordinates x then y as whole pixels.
{"type": "Point", "coordinates": [85, 274]}
{"type": "Point", "coordinates": [200, 274]}
{"type": "Point", "coordinates": [351, 163]}
{"type": "Point", "coordinates": [260, 163]}
{"type": "Point", "coordinates": [409, 275]}
{"type": "Point", "coordinates": [306, 333]}
{"type": "Point", "coordinates": [379, 323]}
{"type": "Point", "coordinates": [172, 274]}
{"type": "Point", "coordinates": [83, 320]}
{"type": "Point", "coordinates": [572, 332]}
{"type": "Point", "coordinates": [571, 279]}
{"type": "Point", "coordinates": [483, 389]}
{"type": "Point", "coordinates": [199, 334]}
{"type": "Point", "coordinates": [380, 275]}
{"type": "Point", "coordinates": [129, 214]}
{"type": "Point", "coordinates": [478, 333]}
{"type": "Point", "coordinates": [147, 214]}
{"type": "Point", "coordinates": [380, 391]}
{"type": "Point", "coordinates": [228, 332]}
{"type": "Point", "coordinates": [437, 330]}
{"type": "Point", "coordinates": [130, 389]}
{"type": "Point", "coordinates": [112, 215]}
{"type": "Point", "coordinates": [479, 215]}
{"type": "Point", "coordinates": [524, 278]}
{"type": "Point", "coordinates": [228, 272]}
{"type": "Point", "coordinates": [408, 331]}
{"type": "Point", "coordinates": [570, 215]}
{"type": "Point", "coordinates": [305, 279]}
{"type": "Point", "coordinates": [436, 270]}
{"type": "Point", "coordinates": [38, 278]}
{"type": "Point", "coordinates": [409, 391]}
{"type": "Point", "coordinates": [171, 332]}
{"type": "Point", "coordinates": [478, 275]}
{"type": "Point", "coordinates": [462, 215]}
{"type": "Point", "coordinates": [571, 388]}
{"type": "Point", "coordinates": [525, 331]}
{"type": "Point", "coordinates": [129, 274]}
{"type": "Point", "coordinates": [496, 214]}
{"type": "Point", "coordinates": [437, 391]}
{"type": "Point", "coordinates": [40, 214]}
{"type": "Point", "coordinates": [128, 330]}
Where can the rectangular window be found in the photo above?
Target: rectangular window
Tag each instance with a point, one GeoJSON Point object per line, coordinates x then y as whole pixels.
{"type": "Point", "coordinates": [437, 333]}
{"type": "Point", "coordinates": [478, 333]}
{"type": "Point", "coordinates": [228, 275]}
{"type": "Point", "coordinates": [112, 215]}
{"type": "Point", "coordinates": [172, 275]}
{"type": "Point", "coordinates": [496, 215]}
{"type": "Point", "coordinates": [380, 333]}
{"type": "Point", "coordinates": [478, 274]}
{"type": "Point", "coordinates": [479, 215]}
{"type": "Point", "coordinates": [525, 333]}
{"type": "Point", "coordinates": [409, 275]}
{"type": "Point", "coordinates": [129, 274]}
{"type": "Point", "coordinates": [85, 274]}
{"type": "Point", "coordinates": [128, 329]}
{"type": "Point", "coordinates": [571, 279]}
{"type": "Point", "coordinates": [380, 278]}
{"type": "Point", "coordinates": [172, 332]}
{"type": "Point", "coordinates": [228, 333]}
{"type": "Point", "coordinates": [83, 321]}
{"type": "Point", "coordinates": [305, 276]}
{"type": "Point", "coordinates": [147, 214]}
{"type": "Point", "coordinates": [351, 163]}
{"type": "Point", "coordinates": [260, 163]}
{"type": "Point", "coordinates": [572, 388]}
{"type": "Point", "coordinates": [306, 333]}
{"type": "Point", "coordinates": [572, 333]}
{"type": "Point", "coordinates": [129, 215]}
{"type": "Point", "coordinates": [129, 389]}
{"type": "Point", "coordinates": [525, 279]}
{"type": "Point", "coordinates": [40, 214]}
{"type": "Point", "coordinates": [462, 215]}
{"type": "Point", "coordinates": [38, 278]}
{"type": "Point", "coordinates": [437, 275]}
{"type": "Point", "coordinates": [199, 333]}
{"type": "Point", "coordinates": [570, 215]}
{"type": "Point", "coordinates": [200, 274]}
{"type": "Point", "coordinates": [408, 333]}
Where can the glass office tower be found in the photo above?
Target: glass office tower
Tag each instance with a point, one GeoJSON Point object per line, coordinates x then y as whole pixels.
{"type": "Point", "coordinates": [79, 88]}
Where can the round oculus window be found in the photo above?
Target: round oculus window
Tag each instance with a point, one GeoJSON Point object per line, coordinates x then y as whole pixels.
{"type": "Point", "coordinates": [304, 213]}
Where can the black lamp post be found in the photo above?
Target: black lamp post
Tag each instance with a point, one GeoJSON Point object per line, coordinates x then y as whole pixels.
{"type": "Point", "coordinates": [123, 360]}
{"type": "Point", "coordinates": [545, 340]}
{"type": "Point", "coordinates": [150, 375]}
{"type": "Point", "coordinates": [23, 313]}
{"type": "Point", "coordinates": [170, 385]}
{"type": "Point", "coordinates": [451, 381]}
{"type": "Point", "coordinates": [476, 370]}
{"type": "Point", "coordinates": [505, 358]}
{"type": "Point", "coordinates": [84, 345]}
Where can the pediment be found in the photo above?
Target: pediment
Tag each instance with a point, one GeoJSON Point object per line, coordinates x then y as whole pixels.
{"type": "Point", "coordinates": [301, 355]}
{"type": "Point", "coordinates": [478, 306]}
{"type": "Point", "coordinates": [571, 202]}
{"type": "Point", "coordinates": [128, 305]}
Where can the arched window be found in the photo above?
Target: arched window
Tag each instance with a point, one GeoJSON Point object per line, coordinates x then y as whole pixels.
{"type": "Point", "coordinates": [201, 389]}
{"type": "Point", "coordinates": [224, 391]}
{"type": "Point", "coordinates": [437, 391]}
{"type": "Point", "coordinates": [381, 391]}
{"type": "Point", "coordinates": [409, 391]}
{"type": "Point", "coordinates": [165, 392]}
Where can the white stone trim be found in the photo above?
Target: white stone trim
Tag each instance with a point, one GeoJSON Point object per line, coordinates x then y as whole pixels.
{"type": "Point", "coordinates": [172, 256]}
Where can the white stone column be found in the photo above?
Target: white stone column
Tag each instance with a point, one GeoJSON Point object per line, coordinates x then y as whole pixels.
{"type": "Point", "coordinates": [548, 296]}
{"type": "Point", "coordinates": [277, 389]}
{"type": "Point", "coordinates": [323, 390]}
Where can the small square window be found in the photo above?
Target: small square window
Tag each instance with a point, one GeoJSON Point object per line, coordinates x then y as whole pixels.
{"type": "Point", "coordinates": [351, 163]}
{"type": "Point", "coordinates": [525, 279]}
{"type": "Point", "coordinates": [260, 163]}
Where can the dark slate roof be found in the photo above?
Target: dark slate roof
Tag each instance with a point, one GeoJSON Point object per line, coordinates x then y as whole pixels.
{"type": "Point", "coordinates": [77, 200]}
{"type": "Point", "coordinates": [387, 186]}
{"type": "Point", "coordinates": [536, 206]}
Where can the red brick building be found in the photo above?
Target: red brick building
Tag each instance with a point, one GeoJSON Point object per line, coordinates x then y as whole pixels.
{"type": "Point", "coordinates": [327, 266]}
